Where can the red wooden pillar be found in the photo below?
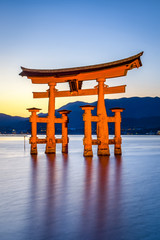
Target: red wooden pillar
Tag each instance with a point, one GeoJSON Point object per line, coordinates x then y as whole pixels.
{"type": "Point", "coordinates": [50, 133]}
{"type": "Point", "coordinates": [33, 120]}
{"type": "Point", "coordinates": [87, 141]}
{"type": "Point", "coordinates": [65, 138]}
{"type": "Point", "coordinates": [102, 124]}
{"type": "Point", "coordinates": [118, 140]}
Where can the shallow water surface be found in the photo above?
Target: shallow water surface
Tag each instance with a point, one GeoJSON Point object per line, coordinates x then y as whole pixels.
{"type": "Point", "coordinates": [69, 197]}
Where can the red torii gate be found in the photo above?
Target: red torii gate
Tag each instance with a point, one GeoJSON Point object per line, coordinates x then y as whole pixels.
{"type": "Point", "coordinates": [75, 77]}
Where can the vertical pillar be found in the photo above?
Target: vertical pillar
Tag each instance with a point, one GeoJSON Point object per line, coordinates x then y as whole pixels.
{"type": "Point", "coordinates": [87, 141]}
{"type": "Point", "coordinates": [118, 140]}
{"type": "Point", "coordinates": [102, 124]}
{"type": "Point", "coordinates": [65, 139]}
{"type": "Point", "coordinates": [33, 120]}
{"type": "Point", "coordinates": [50, 133]}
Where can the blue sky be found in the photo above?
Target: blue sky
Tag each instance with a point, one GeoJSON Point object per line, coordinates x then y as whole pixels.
{"type": "Point", "coordinates": [57, 34]}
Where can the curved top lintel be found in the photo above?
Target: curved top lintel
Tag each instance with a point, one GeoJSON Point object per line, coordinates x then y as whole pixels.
{"type": "Point", "coordinates": [68, 73]}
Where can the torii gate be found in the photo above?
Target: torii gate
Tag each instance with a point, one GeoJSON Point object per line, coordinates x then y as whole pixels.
{"type": "Point", "coordinates": [75, 77]}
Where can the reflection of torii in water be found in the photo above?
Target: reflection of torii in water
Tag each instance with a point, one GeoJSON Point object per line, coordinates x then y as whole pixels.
{"type": "Point", "coordinates": [75, 78]}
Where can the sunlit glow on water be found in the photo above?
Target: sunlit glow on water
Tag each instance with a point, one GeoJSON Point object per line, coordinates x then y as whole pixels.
{"type": "Point", "coordinates": [72, 197]}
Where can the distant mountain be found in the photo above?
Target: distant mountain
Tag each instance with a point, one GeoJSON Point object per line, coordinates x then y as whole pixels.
{"type": "Point", "coordinates": [9, 123]}
{"type": "Point", "coordinates": [141, 115]}
{"type": "Point", "coordinates": [136, 107]}
{"type": "Point", "coordinates": [73, 105]}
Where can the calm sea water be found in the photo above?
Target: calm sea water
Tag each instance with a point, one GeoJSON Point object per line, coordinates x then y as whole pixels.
{"type": "Point", "coordinates": [75, 198]}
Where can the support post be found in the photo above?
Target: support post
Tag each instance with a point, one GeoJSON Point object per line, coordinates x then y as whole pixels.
{"type": "Point", "coordinates": [87, 141]}
{"type": "Point", "coordinates": [33, 120]}
{"type": "Point", "coordinates": [118, 140]}
{"type": "Point", "coordinates": [65, 138]}
{"type": "Point", "coordinates": [50, 133]}
{"type": "Point", "coordinates": [102, 124]}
